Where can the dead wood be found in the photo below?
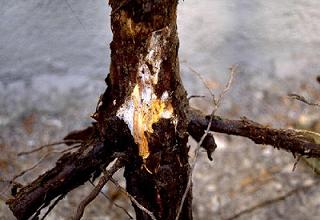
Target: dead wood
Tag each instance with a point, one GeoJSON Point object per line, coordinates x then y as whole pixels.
{"type": "Point", "coordinates": [285, 139]}
{"type": "Point", "coordinates": [102, 182]}
{"type": "Point", "coordinates": [73, 170]}
{"type": "Point", "coordinates": [144, 113]}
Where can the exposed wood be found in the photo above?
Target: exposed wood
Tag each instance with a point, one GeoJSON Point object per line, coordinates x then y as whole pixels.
{"type": "Point", "coordinates": [74, 169]}
{"type": "Point", "coordinates": [144, 113]}
{"type": "Point", "coordinates": [145, 90]}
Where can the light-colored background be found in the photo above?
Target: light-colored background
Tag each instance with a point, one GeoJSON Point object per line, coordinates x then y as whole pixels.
{"type": "Point", "coordinates": [54, 56]}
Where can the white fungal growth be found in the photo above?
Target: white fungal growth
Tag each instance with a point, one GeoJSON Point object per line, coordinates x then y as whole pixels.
{"type": "Point", "coordinates": [126, 113]}
{"type": "Point", "coordinates": [143, 108]}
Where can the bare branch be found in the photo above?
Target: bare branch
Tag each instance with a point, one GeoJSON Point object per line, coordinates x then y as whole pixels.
{"type": "Point", "coordinates": [303, 99]}
{"type": "Point", "coordinates": [113, 203]}
{"type": "Point", "coordinates": [201, 78]}
{"type": "Point", "coordinates": [216, 105]}
{"type": "Point", "coordinates": [48, 145]}
{"type": "Point", "coordinates": [52, 206]}
{"type": "Point", "coordinates": [208, 142]}
{"type": "Point", "coordinates": [286, 139]}
{"type": "Point", "coordinates": [296, 163]}
{"type": "Point", "coordinates": [218, 101]}
{"type": "Point", "coordinates": [141, 207]}
{"type": "Point", "coordinates": [273, 200]}
{"type": "Point", "coordinates": [195, 96]}
{"type": "Point", "coordinates": [73, 169]}
{"type": "Point", "coordinates": [41, 160]}
{"type": "Point", "coordinates": [94, 193]}
{"type": "Point", "coordinates": [120, 5]}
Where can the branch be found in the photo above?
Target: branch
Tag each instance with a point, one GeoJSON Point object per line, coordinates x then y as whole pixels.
{"type": "Point", "coordinates": [216, 105]}
{"type": "Point", "coordinates": [272, 200]}
{"type": "Point", "coordinates": [112, 202]}
{"type": "Point", "coordinates": [95, 192]}
{"type": "Point", "coordinates": [286, 139]}
{"type": "Point", "coordinates": [303, 99]}
{"type": "Point", "coordinates": [73, 169]}
{"type": "Point", "coordinates": [49, 145]}
{"type": "Point", "coordinates": [133, 200]}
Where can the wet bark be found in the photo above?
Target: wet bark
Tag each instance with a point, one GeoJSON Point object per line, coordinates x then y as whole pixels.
{"type": "Point", "coordinates": [144, 75]}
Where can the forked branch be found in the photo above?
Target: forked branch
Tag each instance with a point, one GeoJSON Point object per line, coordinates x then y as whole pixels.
{"type": "Point", "coordinates": [95, 192]}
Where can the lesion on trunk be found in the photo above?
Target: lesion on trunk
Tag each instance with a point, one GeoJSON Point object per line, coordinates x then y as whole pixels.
{"type": "Point", "coordinates": [146, 92]}
{"type": "Point", "coordinates": [144, 84]}
{"type": "Point", "coordinates": [144, 107]}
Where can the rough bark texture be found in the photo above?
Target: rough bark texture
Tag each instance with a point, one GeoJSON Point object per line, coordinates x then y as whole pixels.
{"type": "Point", "coordinates": [144, 80]}
{"type": "Point", "coordinates": [291, 140]}
{"type": "Point", "coordinates": [144, 114]}
{"type": "Point", "coordinates": [72, 170]}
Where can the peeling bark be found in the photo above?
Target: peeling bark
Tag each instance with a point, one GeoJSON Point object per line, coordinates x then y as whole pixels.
{"type": "Point", "coordinates": [144, 114]}
{"type": "Point", "coordinates": [145, 90]}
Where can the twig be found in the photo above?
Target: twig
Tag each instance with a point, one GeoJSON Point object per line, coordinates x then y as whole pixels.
{"type": "Point", "coordinates": [103, 180]}
{"type": "Point", "coordinates": [47, 145]}
{"type": "Point", "coordinates": [53, 205]}
{"type": "Point", "coordinates": [216, 103]}
{"type": "Point", "coordinates": [201, 78]}
{"type": "Point", "coordinates": [42, 159]}
{"type": "Point", "coordinates": [296, 163]}
{"type": "Point", "coordinates": [76, 16]}
{"type": "Point", "coordinates": [195, 96]}
{"type": "Point", "coordinates": [303, 99]}
{"type": "Point", "coordinates": [122, 4]}
{"type": "Point", "coordinates": [113, 202]}
{"type": "Point", "coordinates": [272, 201]}
{"type": "Point", "coordinates": [73, 169]}
{"type": "Point", "coordinates": [141, 207]}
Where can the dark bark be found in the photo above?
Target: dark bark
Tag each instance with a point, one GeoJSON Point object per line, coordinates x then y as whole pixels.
{"type": "Point", "coordinates": [144, 114]}
{"type": "Point", "coordinates": [144, 60]}
{"type": "Point", "coordinates": [72, 170]}
{"type": "Point", "coordinates": [286, 139]}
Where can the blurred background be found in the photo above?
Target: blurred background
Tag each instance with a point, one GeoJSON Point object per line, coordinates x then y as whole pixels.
{"type": "Point", "coordinates": [54, 56]}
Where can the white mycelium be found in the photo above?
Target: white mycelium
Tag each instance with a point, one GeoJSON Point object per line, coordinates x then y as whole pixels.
{"type": "Point", "coordinates": [143, 108]}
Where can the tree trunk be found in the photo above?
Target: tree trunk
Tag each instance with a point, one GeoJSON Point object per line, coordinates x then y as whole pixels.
{"type": "Point", "coordinates": [145, 90]}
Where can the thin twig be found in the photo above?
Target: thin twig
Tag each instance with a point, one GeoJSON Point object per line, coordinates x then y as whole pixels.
{"type": "Point", "coordinates": [141, 207]}
{"type": "Point", "coordinates": [201, 78]}
{"type": "Point", "coordinates": [103, 180]}
{"type": "Point", "coordinates": [216, 103]}
{"type": "Point", "coordinates": [233, 70]}
{"type": "Point", "coordinates": [303, 99]}
{"type": "Point", "coordinates": [122, 4]}
{"type": "Point", "coordinates": [195, 96]}
{"type": "Point", "coordinates": [113, 202]}
{"type": "Point", "coordinates": [272, 201]}
{"type": "Point", "coordinates": [76, 16]}
{"type": "Point", "coordinates": [48, 145]}
{"type": "Point", "coordinates": [30, 168]}
{"type": "Point", "coordinates": [296, 163]}
{"type": "Point", "coordinates": [53, 205]}
{"type": "Point", "coordinates": [41, 160]}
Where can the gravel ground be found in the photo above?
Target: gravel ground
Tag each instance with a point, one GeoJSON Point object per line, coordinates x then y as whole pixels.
{"type": "Point", "coordinates": [54, 57]}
